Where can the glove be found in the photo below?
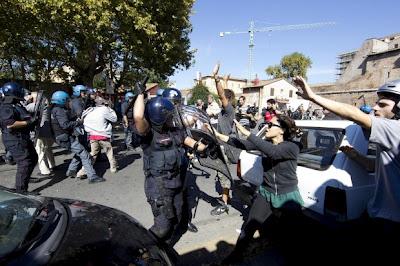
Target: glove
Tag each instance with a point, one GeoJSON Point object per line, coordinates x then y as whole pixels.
{"type": "Point", "coordinates": [140, 87]}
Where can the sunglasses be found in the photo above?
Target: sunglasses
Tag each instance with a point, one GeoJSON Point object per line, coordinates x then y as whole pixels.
{"type": "Point", "coordinates": [270, 124]}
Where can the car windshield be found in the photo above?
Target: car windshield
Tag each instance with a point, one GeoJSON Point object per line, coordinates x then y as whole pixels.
{"type": "Point", "coordinates": [16, 215]}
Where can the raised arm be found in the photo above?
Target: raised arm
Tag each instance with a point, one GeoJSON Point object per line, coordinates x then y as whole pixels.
{"type": "Point", "coordinates": [142, 126]}
{"type": "Point", "coordinates": [343, 110]}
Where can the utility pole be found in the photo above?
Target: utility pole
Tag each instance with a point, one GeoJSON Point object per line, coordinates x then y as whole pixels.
{"type": "Point", "coordinates": [253, 29]}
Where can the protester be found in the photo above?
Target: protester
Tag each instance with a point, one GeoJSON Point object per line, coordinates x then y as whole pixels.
{"type": "Point", "coordinates": [383, 129]}
{"type": "Point", "coordinates": [43, 135]}
{"type": "Point", "coordinates": [213, 111]}
{"type": "Point", "coordinates": [98, 123]}
{"type": "Point", "coordinates": [279, 189]}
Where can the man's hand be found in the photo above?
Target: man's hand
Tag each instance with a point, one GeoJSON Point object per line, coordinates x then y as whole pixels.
{"type": "Point", "coordinates": [304, 89]}
{"type": "Point", "coordinates": [241, 128]}
{"type": "Point", "coordinates": [349, 151]}
{"type": "Point", "coordinates": [215, 70]}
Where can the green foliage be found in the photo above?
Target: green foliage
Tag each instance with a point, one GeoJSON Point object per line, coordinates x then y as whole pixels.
{"type": "Point", "coordinates": [79, 39]}
{"type": "Point", "coordinates": [295, 64]}
{"type": "Point", "coordinates": [199, 91]}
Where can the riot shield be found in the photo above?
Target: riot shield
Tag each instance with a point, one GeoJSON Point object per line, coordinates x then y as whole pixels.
{"type": "Point", "coordinates": [194, 121]}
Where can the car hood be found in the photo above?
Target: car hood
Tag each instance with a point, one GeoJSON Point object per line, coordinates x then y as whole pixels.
{"type": "Point", "coordinates": [97, 233]}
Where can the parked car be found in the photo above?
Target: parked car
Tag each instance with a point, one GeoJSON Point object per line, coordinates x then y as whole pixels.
{"type": "Point", "coordinates": [330, 183]}
{"type": "Point", "coordinates": [36, 230]}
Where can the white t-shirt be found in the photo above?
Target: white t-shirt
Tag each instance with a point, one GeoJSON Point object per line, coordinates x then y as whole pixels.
{"type": "Point", "coordinates": [386, 201]}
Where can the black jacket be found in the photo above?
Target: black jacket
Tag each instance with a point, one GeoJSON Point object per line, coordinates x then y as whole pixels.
{"type": "Point", "coordinates": [279, 162]}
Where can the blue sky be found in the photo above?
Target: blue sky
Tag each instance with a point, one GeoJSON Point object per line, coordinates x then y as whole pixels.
{"type": "Point", "coordinates": [355, 21]}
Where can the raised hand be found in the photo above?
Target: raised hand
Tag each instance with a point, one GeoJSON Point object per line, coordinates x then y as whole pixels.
{"type": "Point", "coordinates": [216, 70]}
{"type": "Point", "coordinates": [241, 128]}
{"type": "Point", "coordinates": [304, 89]}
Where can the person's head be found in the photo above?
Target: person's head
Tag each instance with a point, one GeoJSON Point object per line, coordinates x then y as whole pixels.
{"type": "Point", "coordinates": [199, 103]}
{"type": "Point", "coordinates": [100, 101]}
{"type": "Point", "coordinates": [230, 96]}
{"type": "Point", "coordinates": [281, 128]}
{"type": "Point", "coordinates": [159, 112]}
{"type": "Point", "coordinates": [210, 99]}
{"type": "Point", "coordinates": [172, 94]}
{"type": "Point", "coordinates": [270, 104]}
{"type": "Point", "coordinates": [14, 91]}
{"type": "Point", "coordinates": [79, 91]}
{"type": "Point", "coordinates": [60, 98]}
{"type": "Point", "coordinates": [388, 105]}
{"type": "Point", "coordinates": [242, 100]}
{"type": "Point", "coordinates": [129, 96]}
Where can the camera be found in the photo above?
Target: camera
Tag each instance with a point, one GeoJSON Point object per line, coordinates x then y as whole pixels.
{"type": "Point", "coordinates": [252, 110]}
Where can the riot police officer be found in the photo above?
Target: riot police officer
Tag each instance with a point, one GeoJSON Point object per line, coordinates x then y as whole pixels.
{"type": "Point", "coordinates": [65, 133]}
{"type": "Point", "coordinates": [175, 96]}
{"type": "Point", "coordinates": [161, 143]}
{"type": "Point", "coordinates": [16, 124]}
{"type": "Point", "coordinates": [78, 101]}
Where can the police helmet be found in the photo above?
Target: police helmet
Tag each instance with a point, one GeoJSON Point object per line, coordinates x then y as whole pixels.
{"type": "Point", "coordinates": [1, 93]}
{"type": "Point", "coordinates": [366, 108]}
{"type": "Point", "coordinates": [160, 92]}
{"type": "Point", "coordinates": [129, 95]}
{"type": "Point", "coordinates": [91, 90]}
{"type": "Point", "coordinates": [77, 89]}
{"type": "Point", "coordinates": [172, 94]}
{"type": "Point", "coordinates": [59, 97]}
{"type": "Point", "coordinates": [159, 111]}
{"type": "Point", "coordinates": [13, 89]}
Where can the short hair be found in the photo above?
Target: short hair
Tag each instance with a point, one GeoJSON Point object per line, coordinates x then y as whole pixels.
{"type": "Point", "coordinates": [242, 97]}
{"type": "Point", "coordinates": [271, 101]}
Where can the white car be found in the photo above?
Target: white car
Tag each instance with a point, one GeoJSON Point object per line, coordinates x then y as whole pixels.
{"type": "Point", "coordinates": [330, 183]}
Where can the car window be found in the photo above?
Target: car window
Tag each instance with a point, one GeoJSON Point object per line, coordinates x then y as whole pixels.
{"type": "Point", "coordinates": [318, 147]}
{"type": "Point", "coordinates": [16, 215]}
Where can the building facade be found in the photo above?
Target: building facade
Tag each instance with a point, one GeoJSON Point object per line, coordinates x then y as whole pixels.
{"type": "Point", "coordinates": [278, 89]}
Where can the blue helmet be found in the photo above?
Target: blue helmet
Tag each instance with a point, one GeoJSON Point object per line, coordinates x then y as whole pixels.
{"type": "Point", "coordinates": [91, 90]}
{"type": "Point", "coordinates": [13, 89]}
{"type": "Point", "coordinates": [159, 111]}
{"type": "Point", "coordinates": [76, 90]}
{"type": "Point", "coordinates": [366, 108]}
{"type": "Point", "coordinates": [59, 97]}
{"type": "Point", "coordinates": [172, 94]}
{"type": "Point", "coordinates": [129, 95]}
{"type": "Point", "coordinates": [160, 92]}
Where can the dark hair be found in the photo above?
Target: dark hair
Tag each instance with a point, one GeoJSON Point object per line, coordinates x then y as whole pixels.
{"type": "Point", "coordinates": [289, 127]}
{"type": "Point", "coordinates": [389, 96]}
{"type": "Point", "coordinates": [230, 95]}
{"type": "Point", "coordinates": [271, 101]}
{"type": "Point", "coordinates": [242, 97]}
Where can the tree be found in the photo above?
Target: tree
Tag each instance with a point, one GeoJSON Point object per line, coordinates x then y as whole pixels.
{"type": "Point", "coordinates": [295, 64]}
{"type": "Point", "coordinates": [199, 91]}
{"type": "Point", "coordinates": [79, 39]}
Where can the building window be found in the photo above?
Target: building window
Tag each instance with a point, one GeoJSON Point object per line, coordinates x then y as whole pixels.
{"type": "Point", "coordinates": [290, 94]}
{"type": "Point", "coordinates": [272, 91]}
{"type": "Point", "coordinates": [396, 46]}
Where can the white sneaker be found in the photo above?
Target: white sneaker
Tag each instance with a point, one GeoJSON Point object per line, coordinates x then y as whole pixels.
{"type": "Point", "coordinates": [113, 170]}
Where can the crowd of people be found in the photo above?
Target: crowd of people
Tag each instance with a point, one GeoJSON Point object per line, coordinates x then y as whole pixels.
{"type": "Point", "coordinates": [83, 124]}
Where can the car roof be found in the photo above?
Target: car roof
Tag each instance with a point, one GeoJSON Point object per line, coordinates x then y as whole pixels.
{"type": "Point", "coordinates": [324, 123]}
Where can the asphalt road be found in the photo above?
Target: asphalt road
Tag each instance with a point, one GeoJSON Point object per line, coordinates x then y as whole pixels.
{"type": "Point", "coordinates": [124, 190]}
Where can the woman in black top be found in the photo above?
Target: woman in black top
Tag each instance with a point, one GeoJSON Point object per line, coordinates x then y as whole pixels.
{"type": "Point", "coordinates": [279, 188]}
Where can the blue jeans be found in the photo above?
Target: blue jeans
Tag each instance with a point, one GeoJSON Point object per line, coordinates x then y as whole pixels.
{"type": "Point", "coordinates": [81, 155]}
{"type": "Point", "coordinates": [128, 136]}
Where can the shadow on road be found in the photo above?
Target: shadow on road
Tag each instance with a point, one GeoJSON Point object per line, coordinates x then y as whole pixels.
{"type": "Point", "coordinates": [204, 257]}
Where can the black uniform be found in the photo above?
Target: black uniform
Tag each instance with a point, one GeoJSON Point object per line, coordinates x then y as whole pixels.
{"type": "Point", "coordinates": [18, 142]}
{"type": "Point", "coordinates": [163, 184]}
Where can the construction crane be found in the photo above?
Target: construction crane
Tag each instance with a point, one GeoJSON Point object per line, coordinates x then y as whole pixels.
{"type": "Point", "coordinates": [253, 30]}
